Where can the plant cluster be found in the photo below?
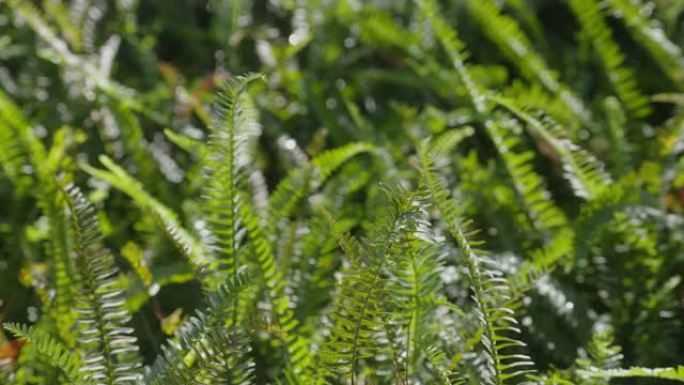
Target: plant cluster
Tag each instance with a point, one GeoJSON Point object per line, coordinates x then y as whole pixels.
{"type": "Point", "coordinates": [406, 192]}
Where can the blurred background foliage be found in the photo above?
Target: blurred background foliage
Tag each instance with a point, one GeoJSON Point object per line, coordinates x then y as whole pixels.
{"type": "Point", "coordinates": [136, 80]}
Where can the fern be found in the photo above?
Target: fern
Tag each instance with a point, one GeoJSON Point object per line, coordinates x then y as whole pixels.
{"type": "Point", "coordinates": [674, 374]}
{"type": "Point", "coordinates": [226, 159]}
{"type": "Point", "coordinates": [57, 354]}
{"type": "Point", "coordinates": [620, 77]}
{"type": "Point", "coordinates": [652, 37]}
{"type": "Point", "coordinates": [506, 33]}
{"type": "Point", "coordinates": [491, 292]}
{"type": "Point", "coordinates": [25, 161]}
{"type": "Point", "coordinates": [359, 310]}
{"type": "Point", "coordinates": [583, 171]}
{"type": "Point", "coordinates": [109, 350]}
{"type": "Point", "coordinates": [119, 178]}
{"type": "Point", "coordinates": [300, 181]}
{"type": "Point", "coordinates": [207, 348]}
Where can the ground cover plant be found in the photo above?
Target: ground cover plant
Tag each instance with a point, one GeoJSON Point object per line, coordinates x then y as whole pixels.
{"type": "Point", "coordinates": [341, 192]}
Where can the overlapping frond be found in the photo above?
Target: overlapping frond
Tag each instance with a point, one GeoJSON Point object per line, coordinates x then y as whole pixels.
{"type": "Point", "coordinates": [667, 53]}
{"type": "Point", "coordinates": [301, 181]}
{"type": "Point", "coordinates": [360, 310]}
{"type": "Point", "coordinates": [208, 348]}
{"type": "Point", "coordinates": [536, 199]}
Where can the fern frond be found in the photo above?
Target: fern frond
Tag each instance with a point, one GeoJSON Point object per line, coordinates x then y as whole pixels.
{"type": "Point", "coordinates": [359, 314]}
{"type": "Point", "coordinates": [513, 42]}
{"type": "Point", "coordinates": [55, 352]}
{"type": "Point", "coordinates": [271, 276]}
{"type": "Point", "coordinates": [415, 285]}
{"type": "Point", "coordinates": [224, 165]}
{"type": "Point", "coordinates": [674, 374]}
{"type": "Point", "coordinates": [543, 261]}
{"type": "Point", "coordinates": [543, 214]}
{"type": "Point", "coordinates": [621, 78]}
{"type": "Point", "coordinates": [110, 354]}
{"type": "Point", "coordinates": [491, 293]}
{"type": "Point", "coordinates": [455, 50]}
{"type": "Point", "coordinates": [300, 181]}
{"type": "Point", "coordinates": [666, 53]}
{"type": "Point", "coordinates": [182, 239]}
{"type": "Point", "coordinates": [25, 160]}
{"type": "Point", "coordinates": [208, 348]}
{"type": "Point", "coordinates": [584, 172]}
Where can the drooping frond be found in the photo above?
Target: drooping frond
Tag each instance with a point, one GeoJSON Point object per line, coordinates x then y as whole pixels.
{"type": "Point", "coordinates": [674, 373]}
{"type": "Point", "coordinates": [507, 34]}
{"type": "Point", "coordinates": [621, 78]}
{"type": "Point", "coordinates": [527, 183]}
{"type": "Point", "coordinates": [584, 172]}
{"type": "Point", "coordinates": [543, 214]}
{"type": "Point", "coordinates": [182, 239]}
{"type": "Point", "coordinates": [666, 53]}
{"type": "Point", "coordinates": [107, 344]}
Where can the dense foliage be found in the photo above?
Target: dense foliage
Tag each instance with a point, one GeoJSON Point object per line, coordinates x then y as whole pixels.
{"type": "Point", "coordinates": [341, 192]}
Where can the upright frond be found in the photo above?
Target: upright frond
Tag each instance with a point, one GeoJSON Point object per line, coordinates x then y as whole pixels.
{"type": "Point", "coordinates": [227, 157]}
{"type": "Point", "coordinates": [107, 344]}
{"type": "Point", "coordinates": [494, 303]}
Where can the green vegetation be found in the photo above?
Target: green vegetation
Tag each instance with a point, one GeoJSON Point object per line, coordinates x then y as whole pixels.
{"type": "Point", "coordinates": [313, 192]}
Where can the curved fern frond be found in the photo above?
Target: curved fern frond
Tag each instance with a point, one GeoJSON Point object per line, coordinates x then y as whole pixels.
{"type": "Point", "coordinates": [584, 172]}
{"type": "Point", "coordinates": [207, 349]}
{"type": "Point", "coordinates": [55, 352]}
{"type": "Point", "coordinates": [297, 347]}
{"type": "Point", "coordinates": [674, 374]}
{"type": "Point", "coordinates": [543, 261]}
{"type": "Point", "coordinates": [506, 33]}
{"type": "Point", "coordinates": [300, 181]}
{"type": "Point", "coordinates": [543, 214]}
{"type": "Point", "coordinates": [621, 78]}
{"type": "Point", "coordinates": [491, 293]}
{"type": "Point", "coordinates": [666, 53]}
{"type": "Point", "coordinates": [108, 346]}
{"type": "Point", "coordinates": [182, 239]}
